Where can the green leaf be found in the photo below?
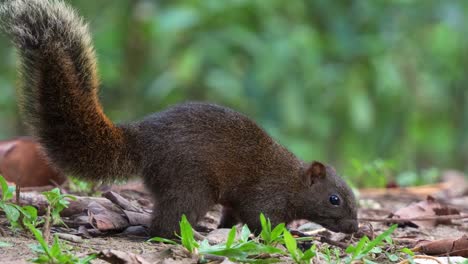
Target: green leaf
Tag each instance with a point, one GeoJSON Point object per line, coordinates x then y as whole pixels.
{"type": "Point", "coordinates": [408, 251]}
{"type": "Point", "coordinates": [265, 234]}
{"type": "Point", "coordinates": [392, 257]}
{"type": "Point", "coordinates": [186, 233]}
{"type": "Point", "coordinates": [7, 192]}
{"type": "Point", "coordinates": [310, 253]}
{"type": "Point", "coordinates": [42, 259]}
{"type": "Point", "coordinates": [277, 231]}
{"type": "Point", "coordinates": [69, 196]}
{"type": "Point", "coordinates": [291, 243]}
{"type": "Point", "coordinates": [55, 249]}
{"type": "Point", "coordinates": [231, 237]}
{"type": "Point", "coordinates": [29, 211]}
{"type": "Point", "coordinates": [11, 212]}
{"type": "Point", "coordinates": [379, 239]}
{"type": "Point", "coordinates": [263, 221]}
{"type": "Point", "coordinates": [355, 251]}
{"type": "Point", "coordinates": [5, 244]}
{"type": "Point", "coordinates": [162, 240]}
{"type": "Point", "coordinates": [327, 254]}
{"type": "Point", "coordinates": [245, 233]}
{"type": "Point", "coordinates": [38, 235]}
{"type": "Point", "coordinates": [87, 259]}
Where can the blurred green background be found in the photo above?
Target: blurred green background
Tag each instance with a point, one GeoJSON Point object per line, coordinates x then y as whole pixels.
{"type": "Point", "coordinates": [373, 87]}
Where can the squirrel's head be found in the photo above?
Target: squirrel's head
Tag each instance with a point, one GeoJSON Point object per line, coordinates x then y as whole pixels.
{"type": "Point", "coordinates": [328, 200]}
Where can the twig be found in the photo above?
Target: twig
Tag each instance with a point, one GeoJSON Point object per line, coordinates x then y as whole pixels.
{"type": "Point", "coordinates": [406, 241]}
{"type": "Point", "coordinates": [371, 228]}
{"type": "Point", "coordinates": [198, 236]}
{"type": "Point", "coordinates": [333, 242]}
{"type": "Point", "coordinates": [46, 229]}
{"type": "Point", "coordinates": [70, 237]}
{"type": "Point", "coordinates": [214, 258]}
{"type": "Point", "coordinates": [424, 218]}
{"type": "Point", "coordinates": [421, 257]}
{"type": "Point", "coordinates": [18, 193]}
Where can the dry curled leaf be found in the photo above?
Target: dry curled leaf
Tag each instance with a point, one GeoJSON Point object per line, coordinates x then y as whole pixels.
{"type": "Point", "coordinates": [104, 219]}
{"type": "Point", "coordinates": [451, 247]}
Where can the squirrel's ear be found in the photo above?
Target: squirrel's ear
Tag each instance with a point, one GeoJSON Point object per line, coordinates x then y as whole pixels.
{"type": "Point", "coordinates": [315, 172]}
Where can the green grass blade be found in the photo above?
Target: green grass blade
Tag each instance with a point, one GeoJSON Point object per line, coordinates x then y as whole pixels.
{"type": "Point", "coordinates": [38, 235]}
{"type": "Point", "coordinates": [231, 237]}
{"type": "Point", "coordinates": [290, 243]}
{"type": "Point", "coordinates": [55, 248]}
{"type": "Point", "coordinates": [162, 240]}
{"type": "Point", "coordinates": [186, 233]}
{"type": "Point", "coordinates": [379, 239]}
{"type": "Point", "coordinates": [245, 233]}
{"type": "Point", "coordinates": [7, 192]}
{"type": "Point", "coordinates": [277, 231]}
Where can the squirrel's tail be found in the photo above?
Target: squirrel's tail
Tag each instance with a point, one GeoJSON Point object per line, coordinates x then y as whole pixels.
{"type": "Point", "coordinates": [60, 90]}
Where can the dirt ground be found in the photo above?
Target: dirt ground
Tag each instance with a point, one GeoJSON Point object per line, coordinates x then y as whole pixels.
{"type": "Point", "coordinates": [374, 204]}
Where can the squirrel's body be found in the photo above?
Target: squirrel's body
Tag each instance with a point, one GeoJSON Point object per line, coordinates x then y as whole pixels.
{"type": "Point", "coordinates": [191, 156]}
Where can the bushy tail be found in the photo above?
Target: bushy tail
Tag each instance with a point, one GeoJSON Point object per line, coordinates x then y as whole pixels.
{"type": "Point", "coordinates": [59, 90]}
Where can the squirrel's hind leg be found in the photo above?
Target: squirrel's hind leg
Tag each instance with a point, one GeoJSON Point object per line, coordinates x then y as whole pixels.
{"type": "Point", "coordinates": [229, 217]}
{"type": "Point", "coordinates": [168, 210]}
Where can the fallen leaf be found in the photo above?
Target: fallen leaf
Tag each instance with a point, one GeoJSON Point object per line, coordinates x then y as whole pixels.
{"type": "Point", "coordinates": [122, 202]}
{"type": "Point", "coordinates": [427, 208]}
{"type": "Point", "coordinates": [120, 257]}
{"type": "Point", "coordinates": [105, 219]}
{"type": "Point", "coordinates": [451, 247]}
{"type": "Point", "coordinates": [137, 219]}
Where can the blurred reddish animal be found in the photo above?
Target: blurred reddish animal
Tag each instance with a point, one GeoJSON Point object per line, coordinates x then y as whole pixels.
{"type": "Point", "coordinates": [23, 162]}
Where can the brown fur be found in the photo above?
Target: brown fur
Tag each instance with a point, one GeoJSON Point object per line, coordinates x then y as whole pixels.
{"type": "Point", "coordinates": [23, 162]}
{"type": "Point", "coordinates": [191, 156]}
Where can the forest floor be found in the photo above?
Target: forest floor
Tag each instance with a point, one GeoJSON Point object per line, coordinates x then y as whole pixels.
{"type": "Point", "coordinates": [96, 224]}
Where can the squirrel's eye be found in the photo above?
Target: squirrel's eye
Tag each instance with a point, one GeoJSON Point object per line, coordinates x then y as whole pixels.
{"type": "Point", "coordinates": [335, 200]}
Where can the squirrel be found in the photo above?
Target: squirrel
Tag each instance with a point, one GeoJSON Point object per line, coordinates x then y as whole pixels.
{"type": "Point", "coordinates": [191, 156]}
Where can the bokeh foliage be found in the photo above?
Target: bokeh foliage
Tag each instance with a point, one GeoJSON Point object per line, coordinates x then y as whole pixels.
{"type": "Point", "coordinates": [338, 81]}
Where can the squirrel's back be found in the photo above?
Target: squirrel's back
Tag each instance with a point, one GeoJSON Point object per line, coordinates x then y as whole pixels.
{"type": "Point", "coordinates": [223, 145]}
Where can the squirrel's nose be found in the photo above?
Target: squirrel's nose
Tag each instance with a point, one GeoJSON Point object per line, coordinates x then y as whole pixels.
{"type": "Point", "coordinates": [351, 226]}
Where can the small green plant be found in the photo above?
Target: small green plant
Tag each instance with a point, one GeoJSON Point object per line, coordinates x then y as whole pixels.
{"type": "Point", "coordinates": [54, 254]}
{"type": "Point", "coordinates": [12, 211]}
{"type": "Point", "coordinates": [57, 203]}
{"type": "Point", "coordinates": [365, 246]}
{"type": "Point", "coordinates": [268, 235]}
{"type": "Point", "coordinates": [83, 187]}
{"type": "Point", "coordinates": [240, 250]}
{"type": "Point", "coordinates": [17, 215]}
{"type": "Point", "coordinates": [247, 250]}
{"type": "Point", "coordinates": [186, 235]}
{"type": "Point", "coordinates": [409, 254]}
{"type": "Point", "coordinates": [30, 215]}
{"type": "Point", "coordinates": [326, 254]}
{"type": "Point", "coordinates": [296, 254]}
